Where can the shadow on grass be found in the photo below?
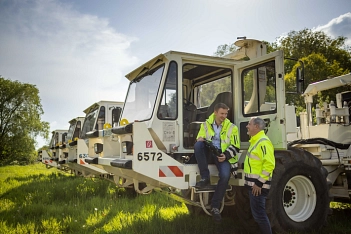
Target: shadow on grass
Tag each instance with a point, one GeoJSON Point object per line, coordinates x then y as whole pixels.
{"type": "Point", "coordinates": [60, 203]}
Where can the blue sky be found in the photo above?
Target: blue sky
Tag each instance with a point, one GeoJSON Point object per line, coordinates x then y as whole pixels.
{"type": "Point", "coordinates": [78, 52]}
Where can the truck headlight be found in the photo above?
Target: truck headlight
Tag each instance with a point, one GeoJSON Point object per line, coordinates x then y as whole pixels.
{"type": "Point", "coordinates": [98, 148]}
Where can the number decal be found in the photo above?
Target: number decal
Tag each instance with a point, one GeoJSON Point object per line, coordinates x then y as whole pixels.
{"type": "Point", "coordinates": [149, 156]}
{"type": "Point", "coordinates": [159, 157]}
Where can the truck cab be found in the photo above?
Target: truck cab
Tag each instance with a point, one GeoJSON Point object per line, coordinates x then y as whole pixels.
{"type": "Point", "coordinates": [172, 94]}
{"type": "Point", "coordinates": [53, 155]}
{"type": "Point", "coordinates": [99, 115]}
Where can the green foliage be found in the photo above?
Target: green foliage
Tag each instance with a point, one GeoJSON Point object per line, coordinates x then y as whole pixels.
{"type": "Point", "coordinates": [20, 123]}
{"type": "Point", "coordinates": [210, 90]}
{"type": "Point", "coordinates": [316, 68]}
{"type": "Point", "coordinates": [225, 49]}
{"type": "Point", "coordinates": [323, 57]}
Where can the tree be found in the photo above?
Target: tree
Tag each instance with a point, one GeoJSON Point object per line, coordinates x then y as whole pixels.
{"type": "Point", "coordinates": [20, 121]}
{"type": "Point", "coordinates": [225, 49]}
{"type": "Point", "coordinates": [323, 57]}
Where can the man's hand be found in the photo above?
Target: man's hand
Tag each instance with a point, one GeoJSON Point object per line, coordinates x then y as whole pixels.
{"type": "Point", "coordinates": [200, 139]}
{"type": "Point", "coordinates": [221, 158]}
{"type": "Point", "coordinates": [256, 191]}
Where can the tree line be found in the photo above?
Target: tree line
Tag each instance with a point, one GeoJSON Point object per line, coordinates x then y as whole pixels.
{"type": "Point", "coordinates": [20, 121]}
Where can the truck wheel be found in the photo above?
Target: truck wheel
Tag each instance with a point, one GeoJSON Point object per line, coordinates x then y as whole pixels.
{"type": "Point", "coordinates": [298, 199]}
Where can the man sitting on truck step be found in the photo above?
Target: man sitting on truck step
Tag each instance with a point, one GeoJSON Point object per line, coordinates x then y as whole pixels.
{"type": "Point", "coordinates": [224, 136]}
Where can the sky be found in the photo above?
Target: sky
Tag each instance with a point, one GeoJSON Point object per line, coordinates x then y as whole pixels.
{"type": "Point", "coordinates": [78, 52]}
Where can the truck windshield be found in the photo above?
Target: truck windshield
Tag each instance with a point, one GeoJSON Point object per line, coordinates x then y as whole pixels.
{"type": "Point", "coordinates": [89, 122]}
{"type": "Point", "coordinates": [70, 132]}
{"type": "Point", "coordinates": [142, 95]}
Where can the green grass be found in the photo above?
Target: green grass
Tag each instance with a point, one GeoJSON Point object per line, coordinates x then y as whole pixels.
{"type": "Point", "coordinates": [34, 199]}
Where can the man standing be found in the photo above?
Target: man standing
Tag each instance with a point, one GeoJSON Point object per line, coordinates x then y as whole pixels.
{"type": "Point", "coordinates": [258, 167]}
{"type": "Point", "coordinates": [224, 136]}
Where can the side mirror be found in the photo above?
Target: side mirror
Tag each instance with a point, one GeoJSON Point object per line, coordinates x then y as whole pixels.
{"type": "Point", "coordinates": [299, 80]}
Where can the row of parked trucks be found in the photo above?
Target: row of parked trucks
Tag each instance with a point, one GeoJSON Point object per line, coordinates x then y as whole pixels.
{"type": "Point", "coordinates": [147, 141]}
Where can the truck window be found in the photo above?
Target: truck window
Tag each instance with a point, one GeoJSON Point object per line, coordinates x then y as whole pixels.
{"type": "Point", "coordinates": [101, 119]}
{"type": "Point", "coordinates": [259, 90]}
{"type": "Point", "coordinates": [168, 106]}
{"type": "Point", "coordinates": [141, 96]}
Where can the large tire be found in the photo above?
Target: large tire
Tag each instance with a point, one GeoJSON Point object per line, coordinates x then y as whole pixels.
{"type": "Point", "coordinates": [298, 199]}
{"type": "Point", "coordinates": [299, 196]}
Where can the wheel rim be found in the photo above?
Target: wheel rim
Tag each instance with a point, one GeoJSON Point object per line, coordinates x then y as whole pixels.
{"type": "Point", "coordinates": [299, 198]}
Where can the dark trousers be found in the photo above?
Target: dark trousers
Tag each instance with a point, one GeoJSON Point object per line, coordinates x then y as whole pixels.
{"type": "Point", "coordinates": [201, 154]}
{"type": "Point", "coordinates": [258, 209]}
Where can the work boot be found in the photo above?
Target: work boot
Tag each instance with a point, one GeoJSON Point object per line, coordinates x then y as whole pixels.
{"type": "Point", "coordinates": [203, 183]}
{"type": "Point", "coordinates": [216, 215]}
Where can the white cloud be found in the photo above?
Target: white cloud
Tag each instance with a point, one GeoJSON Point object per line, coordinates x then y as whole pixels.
{"type": "Point", "coordinates": [74, 59]}
{"type": "Point", "coordinates": [339, 26]}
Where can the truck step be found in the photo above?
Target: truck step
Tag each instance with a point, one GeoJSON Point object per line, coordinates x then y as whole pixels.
{"type": "Point", "coordinates": [122, 163]}
{"type": "Point", "coordinates": [209, 189]}
{"type": "Point", "coordinates": [92, 160]}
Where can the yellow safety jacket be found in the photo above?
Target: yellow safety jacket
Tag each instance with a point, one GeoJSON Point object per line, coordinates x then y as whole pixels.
{"type": "Point", "coordinates": [259, 162]}
{"type": "Point", "coordinates": [230, 143]}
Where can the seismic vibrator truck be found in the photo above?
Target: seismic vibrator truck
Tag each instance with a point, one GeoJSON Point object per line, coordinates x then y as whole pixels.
{"type": "Point", "coordinates": [55, 153]}
{"type": "Point", "coordinates": [100, 115]}
{"type": "Point", "coordinates": [172, 94]}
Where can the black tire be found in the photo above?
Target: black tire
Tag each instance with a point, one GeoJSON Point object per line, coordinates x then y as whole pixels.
{"type": "Point", "coordinates": [299, 196]}
{"type": "Point", "coordinates": [295, 169]}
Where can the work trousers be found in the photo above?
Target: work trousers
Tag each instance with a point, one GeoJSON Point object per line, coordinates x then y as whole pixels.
{"type": "Point", "coordinates": [202, 154]}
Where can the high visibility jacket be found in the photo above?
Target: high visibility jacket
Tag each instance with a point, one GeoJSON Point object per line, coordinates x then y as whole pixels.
{"type": "Point", "coordinates": [229, 137]}
{"type": "Point", "coordinates": [259, 162]}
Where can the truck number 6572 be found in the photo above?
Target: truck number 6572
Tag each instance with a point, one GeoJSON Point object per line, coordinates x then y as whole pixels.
{"type": "Point", "coordinates": [153, 156]}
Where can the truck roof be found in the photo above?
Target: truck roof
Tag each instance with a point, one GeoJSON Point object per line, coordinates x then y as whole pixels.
{"type": "Point", "coordinates": [159, 59]}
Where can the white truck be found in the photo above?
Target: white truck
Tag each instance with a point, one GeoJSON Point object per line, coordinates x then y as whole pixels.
{"type": "Point", "coordinates": [102, 114]}
{"type": "Point", "coordinates": [51, 157]}
{"type": "Point", "coordinates": [172, 94]}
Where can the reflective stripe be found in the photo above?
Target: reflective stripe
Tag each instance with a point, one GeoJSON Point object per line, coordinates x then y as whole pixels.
{"type": "Point", "coordinates": [265, 186]}
{"type": "Point", "coordinates": [208, 136]}
{"type": "Point", "coordinates": [251, 176]}
{"type": "Point", "coordinates": [262, 180]}
{"type": "Point", "coordinates": [229, 133]}
{"type": "Point", "coordinates": [254, 147]}
{"type": "Point", "coordinates": [265, 173]}
{"type": "Point", "coordinates": [253, 156]}
{"type": "Point", "coordinates": [254, 176]}
{"type": "Point", "coordinates": [234, 166]}
{"type": "Point", "coordinates": [232, 151]}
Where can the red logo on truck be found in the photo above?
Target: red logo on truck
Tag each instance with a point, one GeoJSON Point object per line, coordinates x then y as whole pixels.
{"type": "Point", "coordinates": [148, 144]}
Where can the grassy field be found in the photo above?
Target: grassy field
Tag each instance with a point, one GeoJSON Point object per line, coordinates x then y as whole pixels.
{"type": "Point", "coordinates": [34, 199]}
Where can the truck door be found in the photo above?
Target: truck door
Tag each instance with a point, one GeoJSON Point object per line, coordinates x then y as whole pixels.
{"type": "Point", "coordinates": [261, 93]}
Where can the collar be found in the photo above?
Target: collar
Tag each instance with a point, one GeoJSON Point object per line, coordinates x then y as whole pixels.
{"type": "Point", "coordinates": [214, 123]}
{"type": "Point", "coordinates": [258, 136]}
